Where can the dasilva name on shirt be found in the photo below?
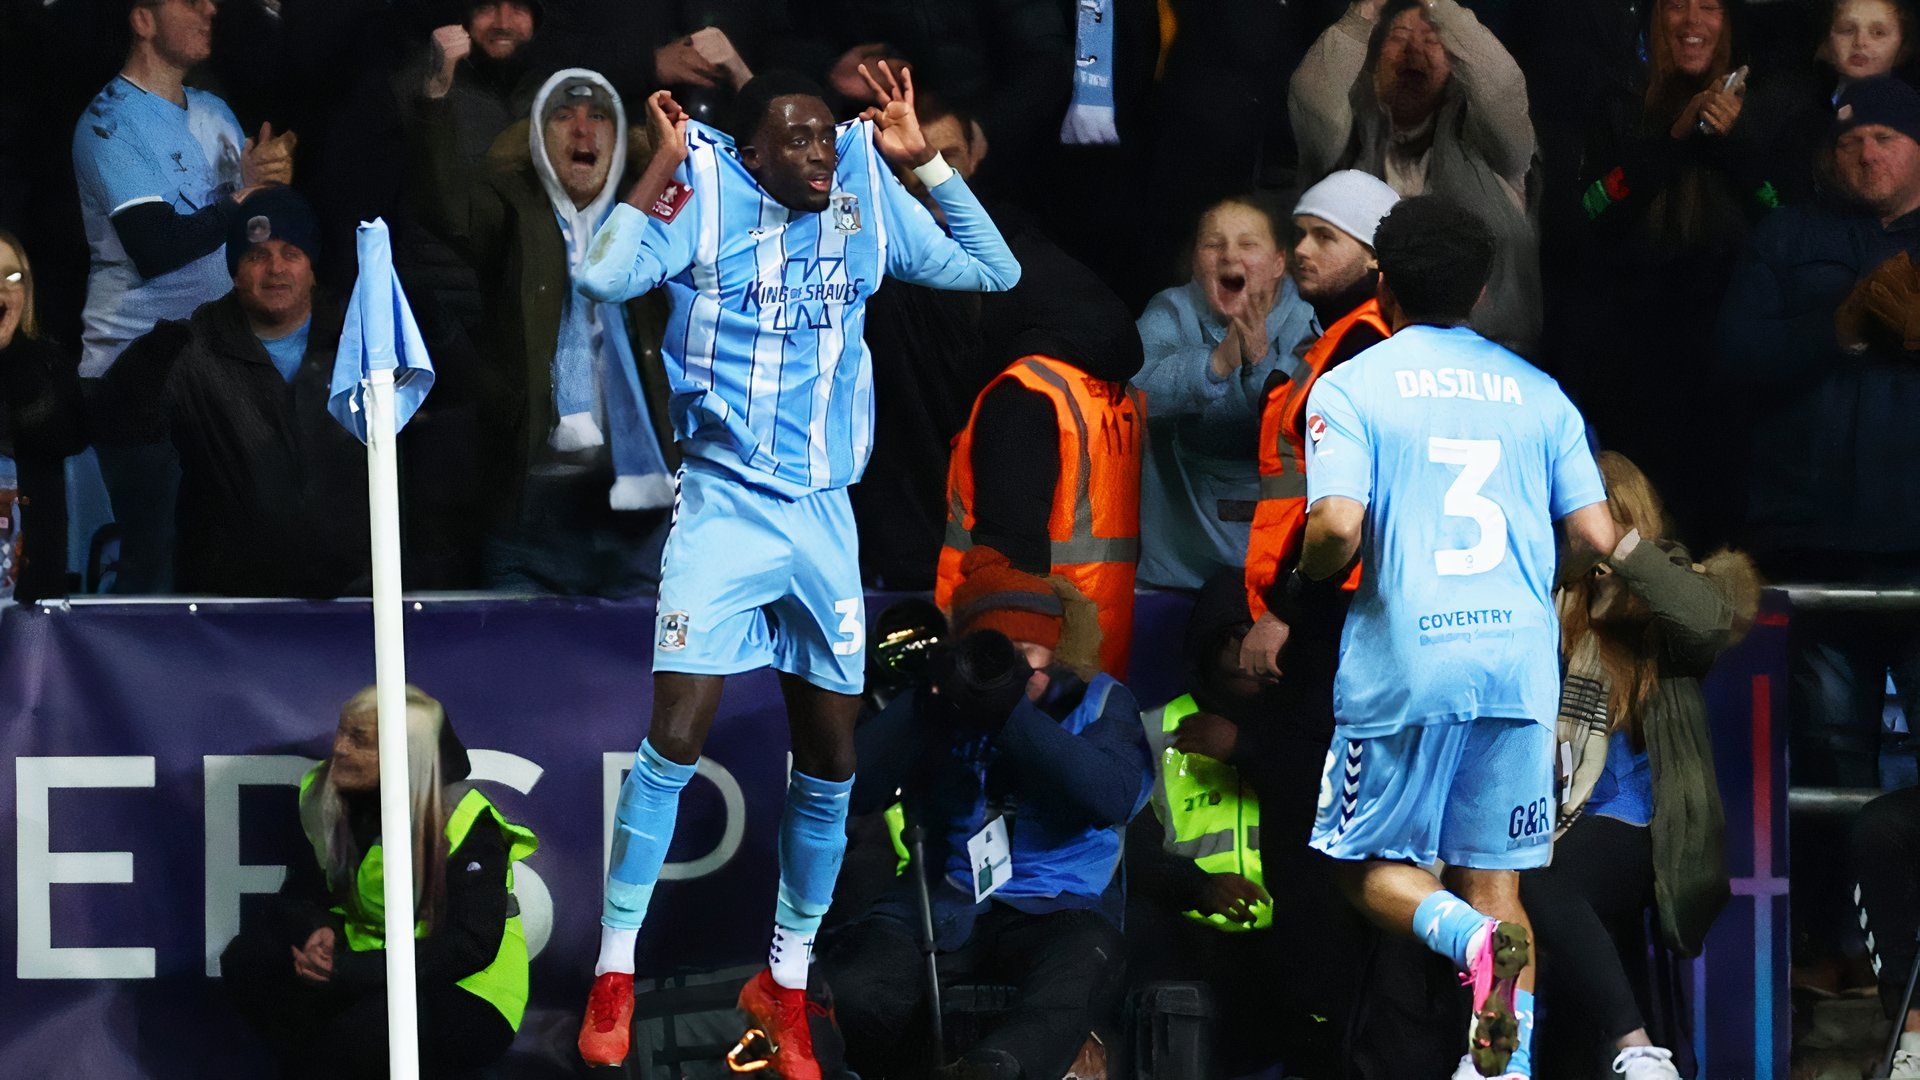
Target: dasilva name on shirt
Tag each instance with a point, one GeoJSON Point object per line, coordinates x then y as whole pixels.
{"type": "Point", "coordinates": [1459, 383]}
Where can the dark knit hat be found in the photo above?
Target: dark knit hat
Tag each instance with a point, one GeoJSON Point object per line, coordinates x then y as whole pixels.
{"type": "Point", "coordinates": [457, 12]}
{"type": "Point", "coordinates": [993, 595]}
{"type": "Point", "coordinates": [1883, 100]}
{"type": "Point", "coordinates": [275, 213]}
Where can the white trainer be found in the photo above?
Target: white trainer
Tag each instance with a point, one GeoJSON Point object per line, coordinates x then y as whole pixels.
{"type": "Point", "coordinates": [1906, 1065]}
{"type": "Point", "coordinates": [1646, 1063]}
{"type": "Point", "coordinates": [1467, 1071]}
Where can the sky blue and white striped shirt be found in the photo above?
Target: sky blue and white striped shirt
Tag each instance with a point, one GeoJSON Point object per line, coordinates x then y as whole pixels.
{"type": "Point", "coordinates": [771, 378]}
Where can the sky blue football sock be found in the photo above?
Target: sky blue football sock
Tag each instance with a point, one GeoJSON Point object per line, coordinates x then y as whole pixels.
{"type": "Point", "coordinates": [1447, 924]}
{"type": "Point", "coordinates": [1522, 1060]}
{"type": "Point", "coordinates": [813, 837]}
{"type": "Point", "coordinates": [642, 829]}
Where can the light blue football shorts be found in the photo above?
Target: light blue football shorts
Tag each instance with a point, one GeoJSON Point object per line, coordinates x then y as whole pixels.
{"type": "Point", "coordinates": [750, 579]}
{"type": "Point", "coordinates": [1476, 794]}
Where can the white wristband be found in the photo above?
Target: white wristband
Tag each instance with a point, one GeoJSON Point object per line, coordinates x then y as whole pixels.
{"type": "Point", "coordinates": [935, 172]}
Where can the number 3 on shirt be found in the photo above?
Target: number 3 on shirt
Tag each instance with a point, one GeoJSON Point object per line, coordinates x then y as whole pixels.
{"type": "Point", "coordinates": [1477, 458]}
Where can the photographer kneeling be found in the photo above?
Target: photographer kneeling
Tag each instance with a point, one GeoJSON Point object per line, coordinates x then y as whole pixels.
{"type": "Point", "coordinates": [1015, 723]}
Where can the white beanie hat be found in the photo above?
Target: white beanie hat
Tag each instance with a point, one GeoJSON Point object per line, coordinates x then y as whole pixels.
{"type": "Point", "coordinates": [1351, 201]}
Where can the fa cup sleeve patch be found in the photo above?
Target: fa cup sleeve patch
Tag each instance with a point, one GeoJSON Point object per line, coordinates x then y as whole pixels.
{"type": "Point", "coordinates": [671, 201]}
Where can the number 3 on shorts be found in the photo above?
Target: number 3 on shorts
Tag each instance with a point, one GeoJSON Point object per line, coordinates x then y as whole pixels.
{"type": "Point", "coordinates": [1478, 458]}
{"type": "Point", "coordinates": [852, 627]}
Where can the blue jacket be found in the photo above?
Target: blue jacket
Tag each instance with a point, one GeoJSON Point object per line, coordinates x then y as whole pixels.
{"type": "Point", "coordinates": [1072, 770]}
{"type": "Point", "coordinates": [1835, 440]}
{"type": "Point", "coordinates": [1201, 476]}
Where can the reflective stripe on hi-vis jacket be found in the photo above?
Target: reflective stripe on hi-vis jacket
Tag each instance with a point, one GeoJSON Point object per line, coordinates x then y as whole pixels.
{"type": "Point", "coordinates": [1210, 815]}
{"type": "Point", "coordinates": [503, 982]}
{"type": "Point", "coordinates": [1095, 523]}
{"type": "Point", "coordinates": [1280, 517]}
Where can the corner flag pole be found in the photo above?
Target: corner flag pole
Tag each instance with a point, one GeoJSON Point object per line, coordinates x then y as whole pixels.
{"type": "Point", "coordinates": [381, 373]}
{"type": "Point", "coordinates": [390, 680]}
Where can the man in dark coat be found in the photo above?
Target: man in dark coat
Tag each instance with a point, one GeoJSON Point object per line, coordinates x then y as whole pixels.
{"type": "Point", "coordinates": [1821, 331]}
{"type": "Point", "coordinates": [273, 491]}
{"type": "Point", "coordinates": [1821, 327]}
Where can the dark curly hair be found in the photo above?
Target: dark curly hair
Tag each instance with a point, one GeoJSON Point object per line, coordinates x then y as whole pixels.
{"type": "Point", "coordinates": [1436, 257]}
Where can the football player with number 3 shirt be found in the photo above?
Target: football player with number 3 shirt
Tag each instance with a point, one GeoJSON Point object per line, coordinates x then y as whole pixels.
{"type": "Point", "coordinates": [769, 240]}
{"type": "Point", "coordinates": [1442, 462]}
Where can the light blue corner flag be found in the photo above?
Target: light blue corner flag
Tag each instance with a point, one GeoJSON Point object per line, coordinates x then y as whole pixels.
{"type": "Point", "coordinates": [379, 334]}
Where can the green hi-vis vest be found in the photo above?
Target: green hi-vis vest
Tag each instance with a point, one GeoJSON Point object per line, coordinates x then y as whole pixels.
{"type": "Point", "coordinates": [502, 983]}
{"type": "Point", "coordinates": [896, 816]}
{"type": "Point", "coordinates": [1209, 814]}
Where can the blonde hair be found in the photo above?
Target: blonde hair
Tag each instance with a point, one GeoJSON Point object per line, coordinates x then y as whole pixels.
{"type": "Point", "coordinates": [324, 814]}
{"type": "Point", "coordinates": [29, 322]}
{"type": "Point", "coordinates": [1628, 637]}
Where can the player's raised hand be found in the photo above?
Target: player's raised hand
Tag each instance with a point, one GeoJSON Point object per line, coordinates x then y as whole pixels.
{"type": "Point", "coordinates": [667, 126]}
{"type": "Point", "coordinates": [899, 137]}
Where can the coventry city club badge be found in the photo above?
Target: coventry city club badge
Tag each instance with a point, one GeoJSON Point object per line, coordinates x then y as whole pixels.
{"type": "Point", "coordinates": [673, 631]}
{"type": "Point", "coordinates": [845, 208]}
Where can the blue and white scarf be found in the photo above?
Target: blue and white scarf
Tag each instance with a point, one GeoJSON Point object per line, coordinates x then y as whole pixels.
{"type": "Point", "coordinates": [1089, 119]}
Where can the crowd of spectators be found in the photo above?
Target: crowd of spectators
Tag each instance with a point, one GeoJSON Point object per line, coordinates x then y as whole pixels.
{"type": "Point", "coordinates": [1705, 214]}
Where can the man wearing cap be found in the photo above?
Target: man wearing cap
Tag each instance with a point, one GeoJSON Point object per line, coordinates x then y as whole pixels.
{"type": "Point", "coordinates": [1336, 272]}
{"type": "Point", "coordinates": [577, 407]}
{"type": "Point", "coordinates": [1016, 719]}
{"type": "Point", "coordinates": [1821, 330]}
{"type": "Point", "coordinates": [273, 496]}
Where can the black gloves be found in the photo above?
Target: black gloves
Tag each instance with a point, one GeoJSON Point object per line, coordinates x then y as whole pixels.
{"type": "Point", "coordinates": [1293, 595]}
{"type": "Point", "coordinates": [978, 681]}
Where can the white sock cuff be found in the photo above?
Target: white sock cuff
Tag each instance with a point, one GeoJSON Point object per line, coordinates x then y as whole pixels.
{"type": "Point", "coordinates": [790, 956]}
{"type": "Point", "coordinates": [616, 950]}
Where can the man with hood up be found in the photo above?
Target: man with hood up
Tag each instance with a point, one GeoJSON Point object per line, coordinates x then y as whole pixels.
{"type": "Point", "coordinates": [577, 405]}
